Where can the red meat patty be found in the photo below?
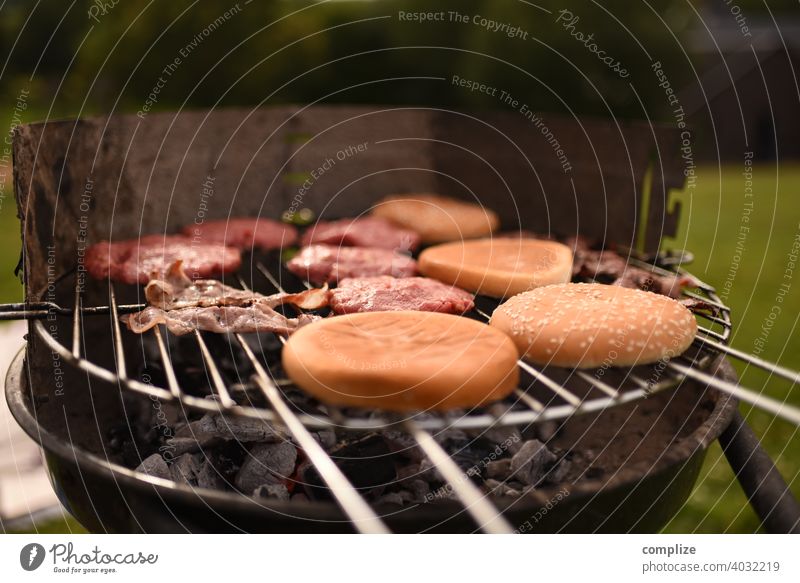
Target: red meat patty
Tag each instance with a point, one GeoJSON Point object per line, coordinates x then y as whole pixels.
{"type": "Point", "coordinates": [364, 232]}
{"type": "Point", "coordinates": [325, 263]}
{"type": "Point", "coordinates": [137, 260]}
{"type": "Point", "coordinates": [244, 233]}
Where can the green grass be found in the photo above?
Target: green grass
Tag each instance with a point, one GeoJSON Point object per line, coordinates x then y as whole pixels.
{"type": "Point", "coordinates": [10, 239]}
{"type": "Point", "coordinates": [66, 525]}
{"type": "Point", "coordinates": [711, 221]}
{"type": "Point", "coordinates": [712, 216]}
{"type": "Point", "coordinates": [10, 245]}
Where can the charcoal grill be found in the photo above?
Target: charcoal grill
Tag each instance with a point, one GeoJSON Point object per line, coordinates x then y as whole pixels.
{"type": "Point", "coordinates": [414, 150]}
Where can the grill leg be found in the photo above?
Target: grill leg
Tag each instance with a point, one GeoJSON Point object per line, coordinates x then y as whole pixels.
{"type": "Point", "coordinates": [766, 489]}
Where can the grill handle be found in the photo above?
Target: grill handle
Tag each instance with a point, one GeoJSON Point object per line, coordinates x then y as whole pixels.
{"type": "Point", "coordinates": [764, 486]}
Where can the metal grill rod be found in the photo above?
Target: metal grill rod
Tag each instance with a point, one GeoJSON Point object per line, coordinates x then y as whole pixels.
{"type": "Point", "coordinates": [603, 386]}
{"type": "Point", "coordinates": [638, 380]}
{"type": "Point", "coordinates": [704, 333]}
{"type": "Point", "coordinates": [557, 388]}
{"type": "Point", "coordinates": [40, 310]}
{"type": "Point", "coordinates": [480, 508]}
{"type": "Point", "coordinates": [784, 410]}
{"type": "Point", "coordinates": [169, 370]}
{"type": "Point", "coordinates": [356, 508]}
{"type": "Point", "coordinates": [216, 377]}
{"type": "Point", "coordinates": [76, 322]}
{"type": "Point", "coordinates": [351, 502]}
{"type": "Point", "coordinates": [771, 367]}
{"type": "Point", "coordinates": [358, 511]}
{"type": "Point", "coordinates": [529, 400]}
{"type": "Point", "coordinates": [117, 333]}
{"type": "Point", "coordinates": [483, 511]}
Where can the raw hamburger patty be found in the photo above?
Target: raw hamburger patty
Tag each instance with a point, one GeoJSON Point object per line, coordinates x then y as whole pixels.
{"type": "Point", "coordinates": [362, 232]}
{"type": "Point", "coordinates": [438, 218]}
{"type": "Point", "coordinates": [327, 264]}
{"type": "Point", "coordinates": [386, 293]}
{"type": "Point", "coordinates": [137, 260]}
{"type": "Point", "coordinates": [402, 361]}
{"type": "Point", "coordinates": [499, 268]}
{"type": "Point", "coordinates": [244, 233]}
{"type": "Point", "coordinates": [588, 325]}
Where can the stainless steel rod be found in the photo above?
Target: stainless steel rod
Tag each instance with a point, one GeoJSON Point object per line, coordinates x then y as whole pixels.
{"type": "Point", "coordinates": [540, 376]}
{"type": "Point", "coordinates": [550, 384]}
{"type": "Point", "coordinates": [220, 389]}
{"type": "Point", "coordinates": [771, 367]}
{"type": "Point", "coordinates": [169, 370]}
{"type": "Point", "coordinates": [118, 348]}
{"type": "Point", "coordinates": [602, 385]}
{"type": "Point", "coordinates": [706, 332]}
{"type": "Point", "coordinates": [489, 519]}
{"type": "Point", "coordinates": [784, 410]}
{"type": "Point", "coordinates": [529, 401]}
{"type": "Point", "coordinates": [76, 322]}
{"type": "Point", "coordinates": [266, 273]}
{"type": "Point", "coordinates": [354, 506]}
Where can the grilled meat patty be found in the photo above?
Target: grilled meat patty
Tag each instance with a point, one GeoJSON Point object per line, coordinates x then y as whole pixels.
{"type": "Point", "coordinates": [386, 293]}
{"type": "Point", "coordinates": [244, 233]}
{"type": "Point", "coordinates": [362, 232]}
{"type": "Point", "coordinates": [325, 263]}
{"type": "Point", "coordinates": [140, 260]}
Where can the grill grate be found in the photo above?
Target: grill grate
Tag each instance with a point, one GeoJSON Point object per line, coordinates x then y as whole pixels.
{"type": "Point", "coordinates": [561, 387]}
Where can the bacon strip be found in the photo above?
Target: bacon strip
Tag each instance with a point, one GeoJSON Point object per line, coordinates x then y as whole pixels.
{"type": "Point", "coordinates": [666, 285]}
{"type": "Point", "coordinates": [184, 305]}
{"type": "Point", "coordinates": [177, 291]}
{"type": "Point", "coordinates": [220, 319]}
{"type": "Point", "coordinates": [592, 264]}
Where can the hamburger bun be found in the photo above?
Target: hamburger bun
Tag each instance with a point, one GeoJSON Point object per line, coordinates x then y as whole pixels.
{"type": "Point", "coordinates": [437, 218]}
{"type": "Point", "coordinates": [499, 268]}
{"type": "Point", "coordinates": [588, 325]}
{"type": "Point", "coordinates": [402, 361]}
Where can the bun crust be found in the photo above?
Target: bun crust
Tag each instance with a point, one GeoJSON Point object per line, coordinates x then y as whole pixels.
{"type": "Point", "coordinates": [438, 218]}
{"type": "Point", "coordinates": [589, 325]}
{"type": "Point", "coordinates": [499, 268]}
{"type": "Point", "coordinates": [402, 361]}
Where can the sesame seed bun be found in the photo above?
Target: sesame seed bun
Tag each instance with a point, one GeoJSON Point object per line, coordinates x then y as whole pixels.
{"type": "Point", "coordinates": [402, 361]}
{"type": "Point", "coordinates": [499, 268]}
{"type": "Point", "coordinates": [588, 325]}
{"type": "Point", "coordinates": [438, 218]}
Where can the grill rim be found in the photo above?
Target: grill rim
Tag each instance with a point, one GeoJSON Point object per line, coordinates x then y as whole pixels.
{"type": "Point", "coordinates": [482, 508]}
{"type": "Point", "coordinates": [701, 362]}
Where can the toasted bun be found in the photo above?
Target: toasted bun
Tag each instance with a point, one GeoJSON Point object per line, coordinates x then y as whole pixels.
{"type": "Point", "coordinates": [402, 361]}
{"type": "Point", "coordinates": [499, 268]}
{"type": "Point", "coordinates": [438, 218]}
{"type": "Point", "coordinates": [588, 325]}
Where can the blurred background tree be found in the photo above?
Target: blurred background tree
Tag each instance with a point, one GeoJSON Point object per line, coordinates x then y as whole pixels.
{"type": "Point", "coordinates": [295, 51]}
